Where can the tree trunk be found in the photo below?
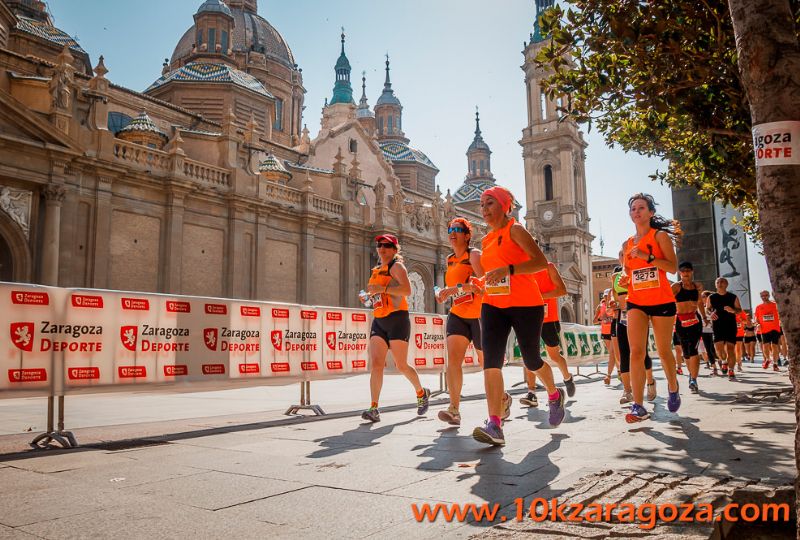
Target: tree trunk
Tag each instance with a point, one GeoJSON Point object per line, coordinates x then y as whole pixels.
{"type": "Point", "coordinates": [769, 67]}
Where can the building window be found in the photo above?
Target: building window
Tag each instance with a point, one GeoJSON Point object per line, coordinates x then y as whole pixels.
{"type": "Point", "coordinates": [353, 146]}
{"type": "Point", "coordinates": [380, 125]}
{"type": "Point", "coordinates": [548, 183]}
{"type": "Point", "coordinates": [199, 38]}
{"type": "Point", "coordinates": [474, 168]}
{"type": "Point", "coordinates": [481, 166]}
{"type": "Point", "coordinates": [212, 39]}
{"type": "Point", "coordinates": [117, 121]}
{"type": "Point", "coordinates": [278, 124]}
{"type": "Point", "coordinates": [543, 105]}
{"type": "Point", "coordinates": [390, 130]}
{"type": "Point", "coordinates": [224, 42]}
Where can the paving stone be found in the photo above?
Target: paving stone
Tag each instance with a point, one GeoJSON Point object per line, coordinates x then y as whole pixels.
{"type": "Point", "coordinates": [49, 462]}
{"type": "Point", "coordinates": [10, 533]}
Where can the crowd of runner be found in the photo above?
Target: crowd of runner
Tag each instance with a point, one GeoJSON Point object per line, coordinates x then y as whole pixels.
{"type": "Point", "coordinates": [509, 284]}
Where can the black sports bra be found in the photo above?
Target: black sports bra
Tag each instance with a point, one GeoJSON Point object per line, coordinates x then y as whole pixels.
{"type": "Point", "coordinates": [687, 295]}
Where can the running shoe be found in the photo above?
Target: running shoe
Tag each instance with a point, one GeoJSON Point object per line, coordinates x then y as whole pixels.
{"type": "Point", "coordinates": [627, 397]}
{"type": "Point", "coordinates": [637, 414]}
{"type": "Point", "coordinates": [731, 376]}
{"type": "Point", "coordinates": [506, 406]}
{"type": "Point", "coordinates": [715, 370]}
{"type": "Point", "coordinates": [529, 400]}
{"type": "Point", "coordinates": [724, 367]}
{"type": "Point", "coordinates": [775, 367]}
{"type": "Point", "coordinates": [569, 384]}
{"type": "Point", "coordinates": [651, 391]}
{"type": "Point", "coordinates": [679, 370]}
{"type": "Point", "coordinates": [674, 401]}
{"type": "Point", "coordinates": [451, 416]}
{"type": "Point", "coordinates": [693, 386]}
{"type": "Point", "coordinates": [372, 414]}
{"type": "Point", "coordinates": [490, 433]}
{"type": "Point", "coordinates": [765, 365]}
{"type": "Point", "coordinates": [422, 402]}
{"type": "Point", "coordinates": [556, 407]}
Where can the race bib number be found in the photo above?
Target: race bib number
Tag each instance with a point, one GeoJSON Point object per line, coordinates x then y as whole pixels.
{"type": "Point", "coordinates": [690, 321]}
{"type": "Point", "coordinates": [463, 298]}
{"type": "Point", "coordinates": [500, 288]}
{"type": "Point", "coordinates": [377, 301]}
{"type": "Point", "coordinates": [623, 317]}
{"type": "Point", "coordinates": [769, 317]}
{"type": "Point", "coordinates": [645, 278]}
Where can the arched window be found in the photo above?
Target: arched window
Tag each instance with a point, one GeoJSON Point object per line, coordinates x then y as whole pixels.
{"type": "Point", "coordinates": [199, 38]}
{"type": "Point", "coordinates": [117, 121]}
{"type": "Point", "coordinates": [548, 183]}
{"type": "Point", "coordinates": [543, 105]}
{"type": "Point", "coordinates": [212, 40]}
{"type": "Point", "coordinates": [353, 146]}
{"type": "Point", "coordinates": [474, 169]}
{"type": "Point", "coordinates": [481, 166]}
{"type": "Point", "coordinates": [390, 130]}
{"type": "Point", "coordinates": [380, 125]}
{"type": "Point", "coordinates": [224, 42]}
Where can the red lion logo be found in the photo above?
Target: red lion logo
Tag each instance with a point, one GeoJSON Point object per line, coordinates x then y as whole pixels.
{"type": "Point", "coordinates": [210, 338]}
{"type": "Point", "coordinates": [330, 339]}
{"type": "Point", "coordinates": [129, 335]}
{"type": "Point", "coordinates": [22, 335]}
{"type": "Point", "coordinates": [277, 339]}
{"type": "Point", "coordinates": [418, 340]}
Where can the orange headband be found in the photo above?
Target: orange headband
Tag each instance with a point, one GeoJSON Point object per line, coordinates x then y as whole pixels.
{"type": "Point", "coordinates": [501, 195]}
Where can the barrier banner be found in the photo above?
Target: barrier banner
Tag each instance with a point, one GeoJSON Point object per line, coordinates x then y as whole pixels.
{"type": "Point", "coordinates": [470, 363]}
{"type": "Point", "coordinates": [293, 344]}
{"type": "Point", "coordinates": [427, 347]}
{"type": "Point", "coordinates": [345, 334]}
{"type": "Point", "coordinates": [29, 315]}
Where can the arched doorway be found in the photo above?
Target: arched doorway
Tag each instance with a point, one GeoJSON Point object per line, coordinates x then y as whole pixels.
{"type": "Point", "coordinates": [566, 316]}
{"type": "Point", "coordinates": [6, 261]}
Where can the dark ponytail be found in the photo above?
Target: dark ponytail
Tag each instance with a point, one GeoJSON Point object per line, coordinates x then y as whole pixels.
{"type": "Point", "coordinates": [670, 226]}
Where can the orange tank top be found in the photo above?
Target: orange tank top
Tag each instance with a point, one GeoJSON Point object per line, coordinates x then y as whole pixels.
{"type": "Point", "coordinates": [519, 290]}
{"type": "Point", "coordinates": [767, 317]}
{"type": "Point", "coordinates": [649, 285]}
{"type": "Point", "coordinates": [385, 304]}
{"type": "Point", "coordinates": [459, 270]}
{"type": "Point", "coordinates": [546, 285]}
{"type": "Point", "coordinates": [741, 319]}
{"type": "Point", "coordinates": [605, 319]}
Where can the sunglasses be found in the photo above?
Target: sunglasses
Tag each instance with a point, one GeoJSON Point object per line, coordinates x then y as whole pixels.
{"type": "Point", "coordinates": [451, 230]}
{"type": "Point", "coordinates": [386, 245]}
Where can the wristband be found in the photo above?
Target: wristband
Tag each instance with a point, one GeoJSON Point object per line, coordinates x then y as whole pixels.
{"type": "Point", "coordinates": [510, 269]}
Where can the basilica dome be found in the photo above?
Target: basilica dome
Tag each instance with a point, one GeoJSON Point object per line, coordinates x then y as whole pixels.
{"type": "Point", "coordinates": [251, 32]}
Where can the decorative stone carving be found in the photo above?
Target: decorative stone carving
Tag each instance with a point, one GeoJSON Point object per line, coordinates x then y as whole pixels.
{"type": "Point", "coordinates": [54, 192]}
{"type": "Point", "coordinates": [17, 204]}
{"type": "Point", "coordinates": [416, 302]}
{"type": "Point", "coordinates": [61, 83]}
{"type": "Point", "coordinates": [380, 193]}
{"type": "Point", "coordinates": [449, 207]}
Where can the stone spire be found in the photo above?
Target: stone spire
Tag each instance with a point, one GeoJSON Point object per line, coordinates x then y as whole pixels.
{"type": "Point", "coordinates": [389, 112]}
{"type": "Point", "coordinates": [479, 155]}
{"type": "Point", "coordinates": [363, 107]}
{"type": "Point", "coordinates": [541, 5]}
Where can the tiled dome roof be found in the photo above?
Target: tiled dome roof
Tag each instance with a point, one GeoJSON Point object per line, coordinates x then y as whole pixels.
{"type": "Point", "coordinates": [272, 164]}
{"type": "Point", "coordinates": [215, 6]}
{"type": "Point", "coordinates": [398, 151]}
{"type": "Point", "coordinates": [213, 73]}
{"type": "Point", "coordinates": [142, 123]}
{"type": "Point", "coordinates": [472, 191]}
{"type": "Point", "coordinates": [250, 32]}
{"type": "Point", "coordinates": [49, 32]}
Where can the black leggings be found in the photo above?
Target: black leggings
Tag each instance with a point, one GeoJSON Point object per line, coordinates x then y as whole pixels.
{"type": "Point", "coordinates": [708, 343]}
{"type": "Point", "coordinates": [496, 325]}
{"type": "Point", "coordinates": [625, 350]}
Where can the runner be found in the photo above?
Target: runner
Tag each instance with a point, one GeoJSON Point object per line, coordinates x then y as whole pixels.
{"type": "Point", "coordinates": [603, 316]}
{"type": "Point", "coordinates": [741, 319]}
{"type": "Point", "coordinates": [688, 324]}
{"type": "Point", "coordinates": [552, 287]}
{"type": "Point", "coordinates": [463, 321]}
{"type": "Point", "coordinates": [391, 328]}
{"type": "Point", "coordinates": [750, 338]}
{"type": "Point", "coordinates": [708, 335]}
{"type": "Point", "coordinates": [723, 307]}
{"type": "Point", "coordinates": [512, 300]}
{"type": "Point", "coordinates": [620, 295]}
{"type": "Point", "coordinates": [648, 256]}
{"type": "Point", "coordinates": [676, 346]}
{"type": "Point", "coordinates": [767, 316]}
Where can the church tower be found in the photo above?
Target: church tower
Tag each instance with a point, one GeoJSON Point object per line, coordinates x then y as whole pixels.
{"type": "Point", "coordinates": [389, 113]}
{"type": "Point", "coordinates": [555, 185]}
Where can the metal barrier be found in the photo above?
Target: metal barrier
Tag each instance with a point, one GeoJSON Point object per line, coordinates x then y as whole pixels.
{"type": "Point", "coordinates": [70, 341]}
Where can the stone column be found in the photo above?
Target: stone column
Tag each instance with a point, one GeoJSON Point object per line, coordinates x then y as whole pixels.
{"type": "Point", "coordinates": [173, 242]}
{"type": "Point", "coordinates": [102, 233]}
{"type": "Point", "coordinates": [54, 196]}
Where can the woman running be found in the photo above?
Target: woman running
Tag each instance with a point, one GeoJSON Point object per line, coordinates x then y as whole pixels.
{"type": "Point", "coordinates": [552, 287]}
{"type": "Point", "coordinates": [604, 316]}
{"type": "Point", "coordinates": [391, 327]}
{"type": "Point", "coordinates": [512, 300]}
{"type": "Point", "coordinates": [689, 324]}
{"type": "Point", "coordinates": [620, 295]}
{"type": "Point", "coordinates": [749, 338]}
{"type": "Point", "coordinates": [741, 320]}
{"type": "Point", "coordinates": [708, 335]}
{"type": "Point", "coordinates": [723, 307]}
{"type": "Point", "coordinates": [464, 319]}
{"type": "Point", "coordinates": [648, 256]}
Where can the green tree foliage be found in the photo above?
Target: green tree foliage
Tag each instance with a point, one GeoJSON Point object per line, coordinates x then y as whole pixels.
{"type": "Point", "coordinates": [661, 79]}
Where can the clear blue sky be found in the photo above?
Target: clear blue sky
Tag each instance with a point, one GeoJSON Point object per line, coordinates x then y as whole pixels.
{"type": "Point", "coordinates": [447, 57]}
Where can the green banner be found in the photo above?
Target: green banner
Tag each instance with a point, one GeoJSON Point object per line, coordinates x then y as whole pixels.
{"type": "Point", "coordinates": [572, 346]}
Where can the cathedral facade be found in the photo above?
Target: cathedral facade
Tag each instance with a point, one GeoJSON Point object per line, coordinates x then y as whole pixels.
{"type": "Point", "coordinates": [206, 182]}
{"type": "Point", "coordinates": [555, 184]}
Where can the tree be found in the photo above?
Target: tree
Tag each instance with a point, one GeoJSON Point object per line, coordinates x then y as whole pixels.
{"type": "Point", "coordinates": [687, 81]}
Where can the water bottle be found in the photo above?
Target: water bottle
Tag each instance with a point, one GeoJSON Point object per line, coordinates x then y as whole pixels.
{"type": "Point", "coordinates": [436, 291]}
{"type": "Point", "coordinates": [365, 298]}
